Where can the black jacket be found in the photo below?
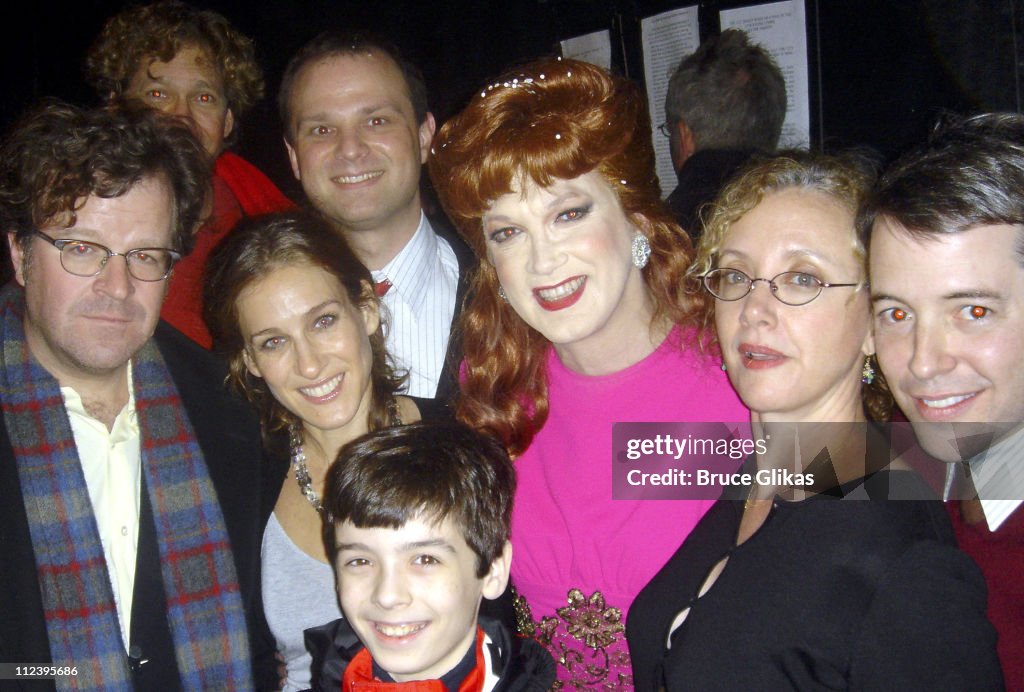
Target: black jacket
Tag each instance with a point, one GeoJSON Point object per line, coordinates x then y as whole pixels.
{"type": "Point", "coordinates": [448, 385]}
{"type": "Point", "coordinates": [854, 594]}
{"type": "Point", "coordinates": [701, 178]}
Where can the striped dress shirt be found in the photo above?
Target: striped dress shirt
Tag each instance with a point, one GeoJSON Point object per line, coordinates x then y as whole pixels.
{"type": "Point", "coordinates": [420, 304]}
{"type": "Point", "coordinates": [998, 476]}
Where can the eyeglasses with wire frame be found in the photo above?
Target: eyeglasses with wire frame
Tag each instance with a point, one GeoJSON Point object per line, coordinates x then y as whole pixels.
{"type": "Point", "coordinates": [789, 288]}
{"type": "Point", "coordinates": [86, 258]}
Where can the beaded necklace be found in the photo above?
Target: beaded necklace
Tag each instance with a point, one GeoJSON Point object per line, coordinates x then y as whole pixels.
{"type": "Point", "coordinates": [298, 456]}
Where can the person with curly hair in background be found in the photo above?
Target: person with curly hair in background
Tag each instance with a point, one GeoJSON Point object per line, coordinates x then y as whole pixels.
{"type": "Point", "coordinates": [577, 321]}
{"type": "Point", "coordinates": [194, 65]}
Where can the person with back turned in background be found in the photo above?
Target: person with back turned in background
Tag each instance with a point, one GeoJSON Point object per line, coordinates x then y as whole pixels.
{"type": "Point", "coordinates": [191, 64]}
{"type": "Point", "coordinates": [129, 479]}
{"type": "Point", "coordinates": [357, 130]}
{"type": "Point", "coordinates": [725, 102]}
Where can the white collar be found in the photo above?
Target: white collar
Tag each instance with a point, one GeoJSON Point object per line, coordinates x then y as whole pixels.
{"type": "Point", "coordinates": [407, 269]}
{"type": "Point", "coordinates": [998, 475]}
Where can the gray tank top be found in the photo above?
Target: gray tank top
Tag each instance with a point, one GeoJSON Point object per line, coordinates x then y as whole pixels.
{"type": "Point", "coordinates": [298, 592]}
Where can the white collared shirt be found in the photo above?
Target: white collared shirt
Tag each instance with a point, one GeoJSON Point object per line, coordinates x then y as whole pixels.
{"type": "Point", "coordinates": [112, 463]}
{"type": "Point", "coordinates": [998, 475]}
{"type": "Point", "coordinates": [424, 278]}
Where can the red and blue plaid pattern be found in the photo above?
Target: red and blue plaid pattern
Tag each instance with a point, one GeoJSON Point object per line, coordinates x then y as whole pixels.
{"type": "Point", "coordinates": [204, 606]}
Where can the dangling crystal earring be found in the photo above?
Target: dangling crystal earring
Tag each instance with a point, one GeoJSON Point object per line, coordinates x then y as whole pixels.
{"type": "Point", "coordinates": [501, 293]}
{"type": "Point", "coordinates": [641, 250]}
{"type": "Point", "coordinates": [867, 373]}
{"type": "Point", "coordinates": [724, 369]}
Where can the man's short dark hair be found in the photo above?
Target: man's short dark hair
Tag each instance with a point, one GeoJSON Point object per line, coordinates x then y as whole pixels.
{"type": "Point", "coordinates": [331, 44]}
{"type": "Point", "coordinates": [158, 31]}
{"type": "Point", "coordinates": [57, 155]}
{"type": "Point", "coordinates": [730, 93]}
{"type": "Point", "coordinates": [970, 172]}
{"type": "Point", "coordinates": [433, 471]}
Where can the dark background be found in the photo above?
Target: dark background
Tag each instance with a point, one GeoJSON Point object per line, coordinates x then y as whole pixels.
{"type": "Point", "coordinates": [881, 70]}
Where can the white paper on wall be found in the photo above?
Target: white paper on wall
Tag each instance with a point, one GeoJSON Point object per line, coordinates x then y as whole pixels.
{"type": "Point", "coordinates": [595, 48]}
{"type": "Point", "coordinates": [667, 38]}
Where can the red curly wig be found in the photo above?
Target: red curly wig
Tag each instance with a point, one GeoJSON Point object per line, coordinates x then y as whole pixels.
{"type": "Point", "coordinates": [546, 120]}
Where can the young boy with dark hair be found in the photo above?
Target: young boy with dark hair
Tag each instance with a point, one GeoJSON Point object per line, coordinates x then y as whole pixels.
{"type": "Point", "coordinates": [417, 531]}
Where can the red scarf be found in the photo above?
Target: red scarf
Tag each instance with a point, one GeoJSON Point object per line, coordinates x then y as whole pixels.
{"type": "Point", "coordinates": [255, 193]}
{"type": "Point", "coordinates": [358, 675]}
{"type": "Point", "coordinates": [239, 190]}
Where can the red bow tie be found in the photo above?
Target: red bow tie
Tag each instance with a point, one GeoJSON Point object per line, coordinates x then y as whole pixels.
{"type": "Point", "coordinates": [381, 287]}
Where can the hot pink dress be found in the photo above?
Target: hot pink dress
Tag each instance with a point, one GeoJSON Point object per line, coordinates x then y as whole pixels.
{"type": "Point", "coordinates": [580, 557]}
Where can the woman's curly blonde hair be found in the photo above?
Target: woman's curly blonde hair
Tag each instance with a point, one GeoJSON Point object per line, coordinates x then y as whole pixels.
{"type": "Point", "coordinates": [845, 177]}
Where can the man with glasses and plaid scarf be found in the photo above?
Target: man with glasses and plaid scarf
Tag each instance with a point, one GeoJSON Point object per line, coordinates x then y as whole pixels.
{"type": "Point", "coordinates": [127, 552]}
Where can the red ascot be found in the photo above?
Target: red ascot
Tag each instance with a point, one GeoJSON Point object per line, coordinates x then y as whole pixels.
{"type": "Point", "coordinates": [358, 675]}
{"type": "Point", "coordinates": [381, 287]}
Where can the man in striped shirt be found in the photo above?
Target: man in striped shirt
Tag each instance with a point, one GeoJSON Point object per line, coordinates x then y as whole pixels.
{"type": "Point", "coordinates": [358, 131]}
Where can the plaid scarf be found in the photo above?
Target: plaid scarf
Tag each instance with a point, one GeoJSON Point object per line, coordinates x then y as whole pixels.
{"type": "Point", "coordinates": [204, 607]}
